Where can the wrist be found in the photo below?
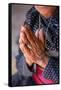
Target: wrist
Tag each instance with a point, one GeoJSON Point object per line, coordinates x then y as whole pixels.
{"type": "Point", "coordinates": [29, 63]}
{"type": "Point", "coordinates": [43, 62]}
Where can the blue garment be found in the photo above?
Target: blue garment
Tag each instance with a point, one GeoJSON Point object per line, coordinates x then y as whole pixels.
{"type": "Point", "coordinates": [52, 41]}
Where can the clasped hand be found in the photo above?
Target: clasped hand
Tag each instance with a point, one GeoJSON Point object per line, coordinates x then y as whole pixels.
{"type": "Point", "coordinates": [33, 46]}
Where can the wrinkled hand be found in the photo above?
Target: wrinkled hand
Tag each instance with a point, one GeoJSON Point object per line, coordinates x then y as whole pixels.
{"type": "Point", "coordinates": [32, 46]}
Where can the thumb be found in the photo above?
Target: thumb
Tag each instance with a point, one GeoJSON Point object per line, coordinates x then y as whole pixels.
{"type": "Point", "coordinates": [40, 35]}
{"type": "Point", "coordinates": [37, 34]}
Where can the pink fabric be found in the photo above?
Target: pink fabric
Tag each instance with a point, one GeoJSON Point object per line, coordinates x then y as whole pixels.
{"type": "Point", "coordinates": [39, 79]}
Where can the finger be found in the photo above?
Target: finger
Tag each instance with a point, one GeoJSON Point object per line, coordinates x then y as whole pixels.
{"type": "Point", "coordinates": [41, 36]}
{"type": "Point", "coordinates": [23, 38]}
{"type": "Point", "coordinates": [37, 34]}
{"type": "Point", "coordinates": [24, 49]}
{"type": "Point", "coordinates": [29, 35]}
{"type": "Point", "coordinates": [20, 40]}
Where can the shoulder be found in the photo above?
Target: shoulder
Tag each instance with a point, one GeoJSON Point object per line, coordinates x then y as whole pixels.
{"type": "Point", "coordinates": [32, 12]}
{"type": "Point", "coordinates": [32, 18]}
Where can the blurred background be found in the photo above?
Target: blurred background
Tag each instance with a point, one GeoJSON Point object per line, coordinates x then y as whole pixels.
{"type": "Point", "coordinates": [18, 17]}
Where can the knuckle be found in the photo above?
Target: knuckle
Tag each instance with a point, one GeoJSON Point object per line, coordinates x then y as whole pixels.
{"type": "Point", "coordinates": [21, 34]}
{"type": "Point", "coordinates": [21, 45]}
{"type": "Point", "coordinates": [23, 28]}
{"type": "Point", "coordinates": [20, 41]}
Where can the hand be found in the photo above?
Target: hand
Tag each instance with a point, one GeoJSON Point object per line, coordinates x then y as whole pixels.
{"type": "Point", "coordinates": [33, 46]}
{"type": "Point", "coordinates": [22, 44]}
